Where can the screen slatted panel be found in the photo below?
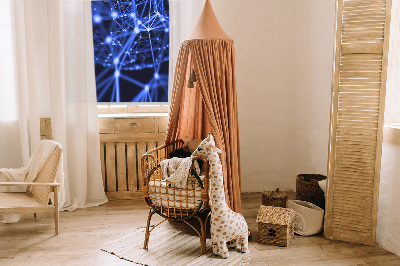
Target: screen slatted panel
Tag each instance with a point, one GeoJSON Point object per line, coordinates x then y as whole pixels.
{"type": "Point", "coordinates": [356, 119]}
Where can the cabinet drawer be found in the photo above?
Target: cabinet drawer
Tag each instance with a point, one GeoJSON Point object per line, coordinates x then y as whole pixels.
{"type": "Point", "coordinates": [106, 125]}
{"type": "Point", "coordinates": [134, 125]}
{"type": "Point", "coordinates": [162, 124]}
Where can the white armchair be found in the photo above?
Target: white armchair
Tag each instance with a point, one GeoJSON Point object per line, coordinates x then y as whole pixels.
{"type": "Point", "coordinates": [36, 197]}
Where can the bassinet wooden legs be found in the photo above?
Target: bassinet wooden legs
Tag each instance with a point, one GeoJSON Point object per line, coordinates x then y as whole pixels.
{"type": "Point", "coordinates": [202, 234]}
{"type": "Point", "coordinates": [147, 235]}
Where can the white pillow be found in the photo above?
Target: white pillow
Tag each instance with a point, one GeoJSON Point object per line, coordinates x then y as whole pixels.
{"type": "Point", "coordinates": [322, 184]}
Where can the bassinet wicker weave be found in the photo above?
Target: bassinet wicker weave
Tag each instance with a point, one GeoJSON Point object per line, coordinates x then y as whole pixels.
{"type": "Point", "coordinates": [171, 202]}
{"type": "Point", "coordinates": [275, 225]}
{"type": "Point", "coordinates": [308, 189]}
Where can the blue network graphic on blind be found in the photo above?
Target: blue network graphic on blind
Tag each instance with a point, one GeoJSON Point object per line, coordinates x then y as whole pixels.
{"type": "Point", "coordinates": [131, 43]}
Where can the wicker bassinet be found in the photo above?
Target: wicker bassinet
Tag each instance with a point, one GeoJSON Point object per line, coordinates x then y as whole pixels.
{"type": "Point", "coordinates": [175, 203]}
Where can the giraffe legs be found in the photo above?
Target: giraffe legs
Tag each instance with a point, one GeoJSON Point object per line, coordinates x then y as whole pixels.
{"type": "Point", "coordinates": [220, 248]}
{"type": "Point", "coordinates": [214, 248]}
{"type": "Point", "coordinates": [243, 244]}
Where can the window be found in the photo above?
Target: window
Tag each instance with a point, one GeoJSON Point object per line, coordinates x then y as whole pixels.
{"type": "Point", "coordinates": [131, 44]}
{"type": "Point", "coordinates": [392, 108]}
{"type": "Point", "coordinates": [8, 93]}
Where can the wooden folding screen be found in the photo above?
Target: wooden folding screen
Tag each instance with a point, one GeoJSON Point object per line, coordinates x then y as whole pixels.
{"type": "Point", "coordinates": [358, 96]}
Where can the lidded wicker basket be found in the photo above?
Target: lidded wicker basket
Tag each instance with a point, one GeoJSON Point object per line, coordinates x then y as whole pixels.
{"type": "Point", "coordinates": [274, 198]}
{"type": "Point", "coordinates": [308, 189]}
{"type": "Point", "coordinates": [275, 225]}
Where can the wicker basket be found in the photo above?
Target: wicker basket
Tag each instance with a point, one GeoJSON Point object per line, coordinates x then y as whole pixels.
{"type": "Point", "coordinates": [275, 225]}
{"type": "Point", "coordinates": [308, 189]}
{"type": "Point", "coordinates": [274, 198]}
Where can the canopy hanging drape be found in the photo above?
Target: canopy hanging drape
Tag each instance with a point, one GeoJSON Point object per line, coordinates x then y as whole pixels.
{"type": "Point", "coordinates": [211, 106]}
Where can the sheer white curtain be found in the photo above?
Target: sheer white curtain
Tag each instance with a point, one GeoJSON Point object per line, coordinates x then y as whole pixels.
{"type": "Point", "coordinates": [10, 147]}
{"type": "Point", "coordinates": [55, 78]}
{"type": "Point", "coordinates": [183, 15]}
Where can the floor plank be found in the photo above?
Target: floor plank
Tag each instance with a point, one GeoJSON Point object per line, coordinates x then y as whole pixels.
{"type": "Point", "coordinates": [82, 233]}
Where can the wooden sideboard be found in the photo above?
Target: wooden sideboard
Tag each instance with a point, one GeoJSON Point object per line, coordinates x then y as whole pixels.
{"type": "Point", "coordinates": [123, 141]}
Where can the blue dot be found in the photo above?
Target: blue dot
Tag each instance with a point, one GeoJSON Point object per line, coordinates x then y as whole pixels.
{"type": "Point", "coordinates": [146, 87]}
{"type": "Point", "coordinates": [156, 75]}
{"type": "Point", "coordinates": [97, 18]}
{"type": "Point", "coordinates": [116, 60]}
{"type": "Point", "coordinates": [166, 30]}
{"type": "Point", "coordinates": [108, 39]}
{"type": "Point", "coordinates": [117, 73]}
{"type": "Point", "coordinates": [133, 15]}
{"type": "Point", "coordinates": [136, 30]}
{"type": "Point", "coordinates": [114, 14]}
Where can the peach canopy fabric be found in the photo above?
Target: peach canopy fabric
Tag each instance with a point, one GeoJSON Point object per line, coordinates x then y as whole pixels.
{"type": "Point", "coordinates": [211, 106]}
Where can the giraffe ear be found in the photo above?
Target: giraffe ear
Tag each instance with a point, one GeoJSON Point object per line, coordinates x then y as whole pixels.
{"type": "Point", "coordinates": [216, 149]}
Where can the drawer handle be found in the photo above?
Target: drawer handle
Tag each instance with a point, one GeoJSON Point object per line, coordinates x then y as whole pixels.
{"type": "Point", "coordinates": [133, 124]}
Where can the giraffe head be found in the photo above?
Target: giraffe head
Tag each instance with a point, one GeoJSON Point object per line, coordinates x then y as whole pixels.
{"type": "Point", "coordinates": [206, 147]}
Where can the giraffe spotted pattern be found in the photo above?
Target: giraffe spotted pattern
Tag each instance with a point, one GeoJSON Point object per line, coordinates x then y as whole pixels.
{"type": "Point", "coordinates": [226, 225]}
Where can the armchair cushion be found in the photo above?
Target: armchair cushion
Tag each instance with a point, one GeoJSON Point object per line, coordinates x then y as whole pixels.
{"type": "Point", "coordinates": [16, 199]}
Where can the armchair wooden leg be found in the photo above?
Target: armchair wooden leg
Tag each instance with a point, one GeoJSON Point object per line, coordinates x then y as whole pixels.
{"type": "Point", "coordinates": [147, 235]}
{"type": "Point", "coordinates": [56, 212]}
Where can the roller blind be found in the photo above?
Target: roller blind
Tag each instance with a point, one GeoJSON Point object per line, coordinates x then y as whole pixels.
{"type": "Point", "coordinates": [358, 97]}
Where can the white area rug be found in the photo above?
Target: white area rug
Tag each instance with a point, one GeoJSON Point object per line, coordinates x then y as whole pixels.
{"type": "Point", "coordinates": [168, 247]}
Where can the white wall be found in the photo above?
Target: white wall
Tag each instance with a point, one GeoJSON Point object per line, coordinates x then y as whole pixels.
{"type": "Point", "coordinates": [388, 227]}
{"type": "Point", "coordinates": [284, 52]}
{"type": "Point", "coordinates": [314, 60]}
{"type": "Point", "coordinates": [264, 32]}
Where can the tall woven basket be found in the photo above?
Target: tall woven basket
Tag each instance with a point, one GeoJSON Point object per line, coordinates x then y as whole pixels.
{"type": "Point", "coordinates": [308, 189]}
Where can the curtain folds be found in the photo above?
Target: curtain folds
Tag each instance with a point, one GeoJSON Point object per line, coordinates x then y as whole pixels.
{"type": "Point", "coordinates": [183, 15]}
{"type": "Point", "coordinates": [55, 78]}
{"type": "Point", "coordinates": [211, 106]}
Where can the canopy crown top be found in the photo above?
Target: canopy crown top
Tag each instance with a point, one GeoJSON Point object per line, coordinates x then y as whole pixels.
{"type": "Point", "coordinates": [207, 26]}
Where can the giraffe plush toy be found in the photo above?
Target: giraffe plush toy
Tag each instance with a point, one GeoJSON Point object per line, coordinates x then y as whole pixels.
{"type": "Point", "coordinates": [226, 225]}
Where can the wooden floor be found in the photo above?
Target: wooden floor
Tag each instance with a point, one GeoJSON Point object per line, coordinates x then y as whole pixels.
{"type": "Point", "coordinates": [82, 233]}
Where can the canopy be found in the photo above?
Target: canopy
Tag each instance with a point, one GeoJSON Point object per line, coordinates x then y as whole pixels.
{"type": "Point", "coordinates": [211, 105]}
